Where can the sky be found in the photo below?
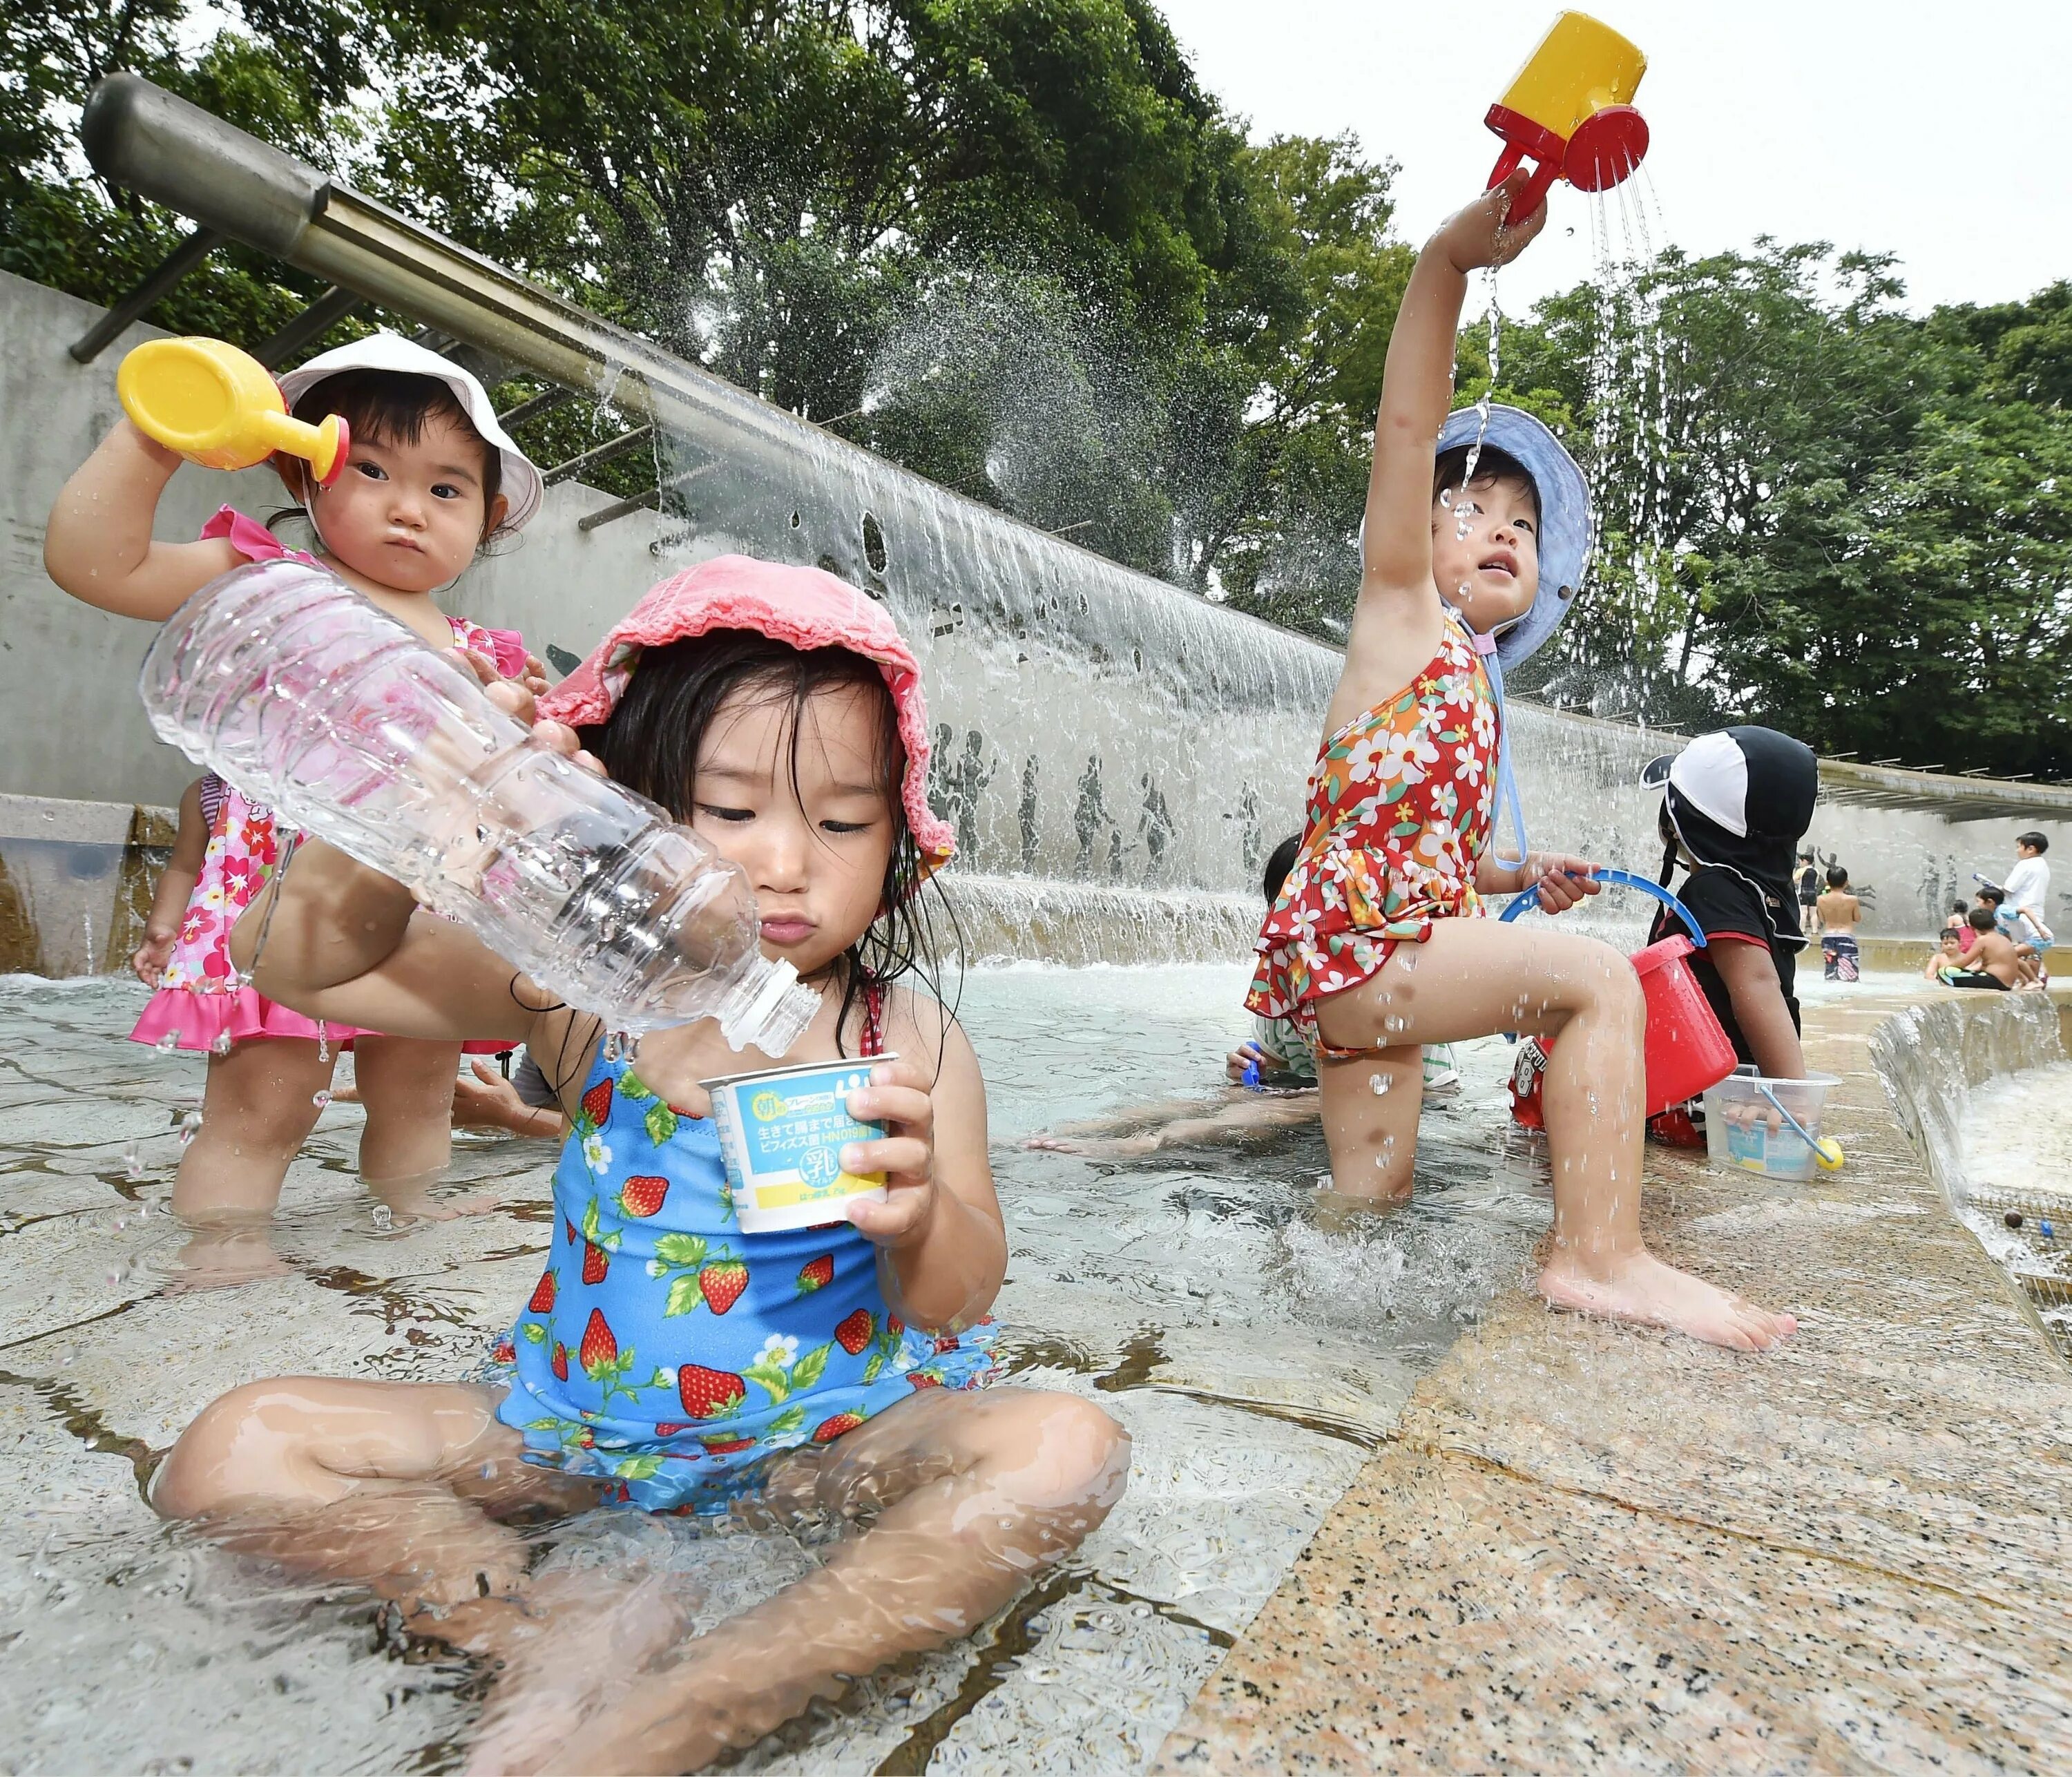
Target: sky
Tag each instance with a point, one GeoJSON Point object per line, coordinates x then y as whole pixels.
{"type": "Point", "coordinates": [1938, 131]}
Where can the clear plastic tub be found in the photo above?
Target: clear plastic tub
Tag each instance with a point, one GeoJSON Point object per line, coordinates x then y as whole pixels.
{"type": "Point", "coordinates": [1745, 1131]}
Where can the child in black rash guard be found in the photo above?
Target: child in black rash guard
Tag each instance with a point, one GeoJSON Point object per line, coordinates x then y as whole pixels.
{"type": "Point", "coordinates": [1734, 804]}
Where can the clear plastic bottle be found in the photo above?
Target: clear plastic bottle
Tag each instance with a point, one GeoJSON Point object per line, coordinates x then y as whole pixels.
{"type": "Point", "coordinates": [308, 697]}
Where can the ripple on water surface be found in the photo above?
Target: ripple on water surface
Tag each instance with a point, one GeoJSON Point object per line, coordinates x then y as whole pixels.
{"type": "Point", "coordinates": [1255, 1336]}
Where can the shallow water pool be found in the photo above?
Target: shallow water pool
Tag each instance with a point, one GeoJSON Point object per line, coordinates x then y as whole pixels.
{"type": "Point", "coordinates": [1255, 1345]}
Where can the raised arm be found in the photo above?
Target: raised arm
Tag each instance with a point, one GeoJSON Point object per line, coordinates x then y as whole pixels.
{"type": "Point", "coordinates": [1417, 386]}
{"type": "Point", "coordinates": [98, 545]}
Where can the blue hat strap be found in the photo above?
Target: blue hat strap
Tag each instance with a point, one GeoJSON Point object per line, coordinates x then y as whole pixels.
{"type": "Point", "coordinates": [1507, 785]}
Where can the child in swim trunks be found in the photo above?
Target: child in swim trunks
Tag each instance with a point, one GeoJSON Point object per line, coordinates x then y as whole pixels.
{"type": "Point", "coordinates": [1376, 945]}
{"type": "Point", "coordinates": [665, 1360]}
{"type": "Point", "coordinates": [1839, 911]}
{"type": "Point", "coordinates": [429, 477]}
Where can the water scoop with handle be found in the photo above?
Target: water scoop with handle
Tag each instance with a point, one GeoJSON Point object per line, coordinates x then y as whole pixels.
{"type": "Point", "coordinates": [1570, 110]}
{"type": "Point", "coordinates": [217, 406]}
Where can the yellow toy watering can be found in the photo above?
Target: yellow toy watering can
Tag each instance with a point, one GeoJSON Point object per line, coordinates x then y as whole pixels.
{"type": "Point", "coordinates": [1570, 109]}
{"type": "Point", "coordinates": [217, 406]}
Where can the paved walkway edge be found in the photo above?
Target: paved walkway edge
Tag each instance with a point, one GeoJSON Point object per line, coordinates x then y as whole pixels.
{"type": "Point", "coordinates": [1592, 1548]}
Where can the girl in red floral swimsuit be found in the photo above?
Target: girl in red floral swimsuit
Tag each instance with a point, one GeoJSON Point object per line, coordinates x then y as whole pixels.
{"type": "Point", "coordinates": [1376, 945]}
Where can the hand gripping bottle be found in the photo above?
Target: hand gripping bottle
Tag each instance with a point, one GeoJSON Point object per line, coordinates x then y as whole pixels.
{"type": "Point", "coordinates": [308, 698]}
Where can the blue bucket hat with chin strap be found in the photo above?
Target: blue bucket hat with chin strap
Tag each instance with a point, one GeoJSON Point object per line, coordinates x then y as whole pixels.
{"type": "Point", "coordinates": [1565, 549]}
{"type": "Point", "coordinates": [1564, 517]}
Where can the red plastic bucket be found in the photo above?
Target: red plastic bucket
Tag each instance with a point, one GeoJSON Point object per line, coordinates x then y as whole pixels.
{"type": "Point", "coordinates": [1686, 1049]}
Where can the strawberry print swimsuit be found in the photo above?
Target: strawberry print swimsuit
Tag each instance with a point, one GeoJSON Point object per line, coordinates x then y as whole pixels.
{"type": "Point", "coordinates": [1401, 809]}
{"type": "Point", "coordinates": [668, 1352]}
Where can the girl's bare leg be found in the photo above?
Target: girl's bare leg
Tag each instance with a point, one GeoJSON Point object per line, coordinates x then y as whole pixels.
{"type": "Point", "coordinates": [257, 1109]}
{"type": "Point", "coordinates": [397, 1486]}
{"type": "Point", "coordinates": [406, 1086]}
{"type": "Point", "coordinates": [975, 1494]}
{"type": "Point", "coordinates": [1473, 977]}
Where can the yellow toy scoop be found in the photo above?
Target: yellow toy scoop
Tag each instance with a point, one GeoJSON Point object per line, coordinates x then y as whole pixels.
{"type": "Point", "coordinates": [215, 405]}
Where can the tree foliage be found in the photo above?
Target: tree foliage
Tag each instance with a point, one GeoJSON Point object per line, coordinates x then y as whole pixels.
{"type": "Point", "coordinates": [1014, 245]}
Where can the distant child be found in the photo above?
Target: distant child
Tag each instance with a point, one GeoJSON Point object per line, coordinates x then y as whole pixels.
{"type": "Point", "coordinates": [1839, 911]}
{"type": "Point", "coordinates": [176, 883]}
{"type": "Point", "coordinates": [1947, 959]}
{"type": "Point", "coordinates": [429, 479]}
{"type": "Point", "coordinates": [2028, 888]}
{"type": "Point", "coordinates": [1733, 804]}
{"type": "Point", "coordinates": [1959, 921]}
{"type": "Point", "coordinates": [1992, 900]}
{"type": "Point", "coordinates": [1472, 549]}
{"type": "Point", "coordinates": [1809, 892]}
{"type": "Point", "coordinates": [1994, 960]}
{"type": "Point", "coordinates": [666, 1361]}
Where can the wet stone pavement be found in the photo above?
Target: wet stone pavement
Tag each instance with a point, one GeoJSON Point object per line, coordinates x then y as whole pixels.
{"type": "Point", "coordinates": [1590, 1549]}
{"type": "Point", "coordinates": [1255, 1358]}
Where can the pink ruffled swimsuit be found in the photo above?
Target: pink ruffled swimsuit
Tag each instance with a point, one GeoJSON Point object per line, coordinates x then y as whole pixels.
{"type": "Point", "coordinates": [196, 1004]}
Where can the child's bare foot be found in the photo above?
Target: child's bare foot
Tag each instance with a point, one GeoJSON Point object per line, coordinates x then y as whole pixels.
{"type": "Point", "coordinates": [1645, 1290]}
{"type": "Point", "coordinates": [1112, 1147]}
{"type": "Point", "coordinates": [584, 1639]}
{"type": "Point", "coordinates": [664, 1722]}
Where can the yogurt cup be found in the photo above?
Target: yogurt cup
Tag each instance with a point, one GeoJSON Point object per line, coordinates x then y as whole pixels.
{"type": "Point", "coordinates": [781, 1134]}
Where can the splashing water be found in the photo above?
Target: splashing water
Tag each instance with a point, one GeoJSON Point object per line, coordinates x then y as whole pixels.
{"type": "Point", "coordinates": [1380, 1083]}
{"type": "Point", "coordinates": [133, 1162]}
{"type": "Point", "coordinates": [190, 1127]}
{"type": "Point", "coordinates": [1495, 317]}
{"type": "Point", "coordinates": [167, 1043]}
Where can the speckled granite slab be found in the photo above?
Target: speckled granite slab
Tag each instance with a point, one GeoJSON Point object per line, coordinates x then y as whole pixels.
{"type": "Point", "coordinates": [1591, 1548]}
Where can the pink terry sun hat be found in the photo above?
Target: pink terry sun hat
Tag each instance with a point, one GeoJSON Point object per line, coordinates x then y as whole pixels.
{"type": "Point", "coordinates": [806, 607]}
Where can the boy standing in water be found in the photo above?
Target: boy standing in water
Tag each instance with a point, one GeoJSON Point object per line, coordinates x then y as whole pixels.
{"type": "Point", "coordinates": [1839, 909]}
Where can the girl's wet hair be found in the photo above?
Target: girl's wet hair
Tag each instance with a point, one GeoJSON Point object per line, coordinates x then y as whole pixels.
{"type": "Point", "coordinates": [650, 744]}
{"type": "Point", "coordinates": [1278, 865]}
{"type": "Point", "coordinates": [1492, 465]}
{"type": "Point", "coordinates": [393, 407]}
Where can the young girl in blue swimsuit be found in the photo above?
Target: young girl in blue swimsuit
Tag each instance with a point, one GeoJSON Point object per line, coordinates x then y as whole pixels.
{"type": "Point", "coordinates": [665, 1360]}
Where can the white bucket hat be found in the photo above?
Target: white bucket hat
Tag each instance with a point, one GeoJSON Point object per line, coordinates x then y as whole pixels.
{"type": "Point", "coordinates": [522, 485]}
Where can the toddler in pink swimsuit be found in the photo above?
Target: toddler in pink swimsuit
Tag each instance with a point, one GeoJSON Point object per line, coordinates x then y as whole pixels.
{"type": "Point", "coordinates": [429, 476]}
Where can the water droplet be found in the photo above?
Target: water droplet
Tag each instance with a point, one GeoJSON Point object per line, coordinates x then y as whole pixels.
{"type": "Point", "coordinates": [1592, 1098]}
{"type": "Point", "coordinates": [1380, 1083]}
{"type": "Point", "coordinates": [167, 1043]}
{"type": "Point", "coordinates": [133, 1162]}
{"type": "Point", "coordinates": [190, 1127]}
{"type": "Point", "coordinates": [320, 1099]}
{"type": "Point", "coordinates": [323, 1041]}
{"type": "Point", "coordinates": [384, 1216]}
{"type": "Point", "coordinates": [489, 1471]}
{"type": "Point", "coordinates": [221, 1045]}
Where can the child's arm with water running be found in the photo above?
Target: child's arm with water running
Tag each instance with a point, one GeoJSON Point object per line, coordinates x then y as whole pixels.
{"type": "Point", "coordinates": [175, 889]}
{"type": "Point", "coordinates": [98, 544]}
{"type": "Point", "coordinates": [1393, 618]}
{"type": "Point", "coordinates": [942, 1244]}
